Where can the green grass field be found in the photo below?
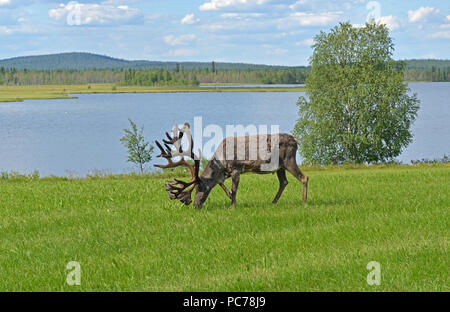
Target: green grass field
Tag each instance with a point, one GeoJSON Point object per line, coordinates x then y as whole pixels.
{"type": "Point", "coordinates": [20, 93]}
{"type": "Point", "coordinates": [128, 236]}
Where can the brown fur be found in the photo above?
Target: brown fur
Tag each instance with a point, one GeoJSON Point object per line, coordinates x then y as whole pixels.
{"type": "Point", "coordinates": [223, 166]}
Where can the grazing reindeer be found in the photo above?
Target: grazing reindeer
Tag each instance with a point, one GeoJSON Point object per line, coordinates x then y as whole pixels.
{"type": "Point", "coordinates": [244, 154]}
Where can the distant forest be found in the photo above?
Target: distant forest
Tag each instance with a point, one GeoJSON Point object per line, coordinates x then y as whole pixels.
{"type": "Point", "coordinates": [83, 61]}
{"type": "Point", "coordinates": [85, 68]}
{"type": "Point", "coordinates": [427, 70]}
{"type": "Point", "coordinates": [154, 77]}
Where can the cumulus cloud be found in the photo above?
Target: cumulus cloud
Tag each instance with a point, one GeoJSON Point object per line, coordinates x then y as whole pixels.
{"type": "Point", "coordinates": [441, 34]}
{"type": "Point", "coordinates": [180, 40]}
{"type": "Point", "coordinates": [189, 19]}
{"type": "Point", "coordinates": [215, 5]}
{"type": "Point", "coordinates": [323, 5]}
{"type": "Point", "coordinates": [277, 51]}
{"type": "Point", "coordinates": [6, 30]}
{"type": "Point", "coordinates": [94, 14]}
{"type": "Point", "coordinates": [180, 52]}
{"type": "Point", "coordinates": [15, 29]}
{"type": "Point", "coordinates": [298, 4]}
{"type": "Point", "coordinates": [312, 19]}
{"type": "Point", "coordinates": [305, 43]}
{"type": "Point", "coordinates": [241, 15]}
{"type": "Point", "coordinates": [241, 26]}
{"type": "Point", "coordinates": [4, 2]}
{"type": "Point", "coordinates": [422, 14]}
{"type": "Point", "coordinates": [358, 25]}
{"type": "Point", "coordinates": [390, 21]}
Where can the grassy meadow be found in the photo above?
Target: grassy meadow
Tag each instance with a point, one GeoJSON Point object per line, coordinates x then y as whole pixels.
{"type": "Point", "coordinates": [128, 236]}
{"type": "Point", "coordinates": [39, 92]}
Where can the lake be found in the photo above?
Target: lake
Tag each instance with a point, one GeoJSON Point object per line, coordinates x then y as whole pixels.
{"type": "Point", "coordinates": [253, 85]}
{"type": "Point", "coordinates": [77, 136]}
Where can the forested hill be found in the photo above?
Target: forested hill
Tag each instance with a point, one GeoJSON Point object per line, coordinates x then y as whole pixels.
{"type": "Point", "coordinates": [79, 68]}
{"type": "Point", "coordinates": [427, 64]}
{"type": "Point", "coordinates": [83, 61]}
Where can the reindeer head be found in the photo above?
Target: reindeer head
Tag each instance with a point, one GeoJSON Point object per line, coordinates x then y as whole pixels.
{"type": "Point", "coordinates": [178, 189]}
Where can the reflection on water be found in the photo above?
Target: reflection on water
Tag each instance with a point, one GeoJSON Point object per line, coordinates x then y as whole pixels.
{"type": "Point", "coordinates": [253, 85]}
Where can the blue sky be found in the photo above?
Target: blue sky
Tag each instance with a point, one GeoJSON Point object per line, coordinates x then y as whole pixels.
{"type": "Point", "coordinates": [251, 31]}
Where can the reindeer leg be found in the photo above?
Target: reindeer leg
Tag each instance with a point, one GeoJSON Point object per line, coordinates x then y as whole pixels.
{"type": "Point", "coordinates": [235, 176]}
{"type": "Point", "coordinates": [292, 167]}
{"type": "Point", "coordinates": [281, 173]}
{"type": "Point", "coordinates": [226, 190]}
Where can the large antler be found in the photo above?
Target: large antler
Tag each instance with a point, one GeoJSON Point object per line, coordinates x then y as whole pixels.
{"type": "Point", "coordinates": [178, 189]}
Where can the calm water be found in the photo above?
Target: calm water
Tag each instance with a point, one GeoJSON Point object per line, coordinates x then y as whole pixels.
{"type": "Point", "coordinates": [254, 85]}
{"type": "Point", "coordinates": [77, 136]}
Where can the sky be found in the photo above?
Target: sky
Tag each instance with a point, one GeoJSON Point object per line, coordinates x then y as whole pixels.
{"type": "Point", "coordinates": [275, 32]}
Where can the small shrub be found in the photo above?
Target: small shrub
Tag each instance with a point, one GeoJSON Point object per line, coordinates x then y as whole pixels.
{"type": "Point", "coordinates": [444, 160]}
{"type": "Point", "coordinates": [16, 176]}
{"type": "Point", "coordinates": [139, 150]}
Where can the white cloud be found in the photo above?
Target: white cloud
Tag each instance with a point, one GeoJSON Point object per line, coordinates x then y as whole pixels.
{"type": "Point", "coordinates": [21, 28]}
{"type": "Point", "coordinates": [421, 14]}
{"type": "Point", "coordinates": [189, 19]}
{"type": "Point", "coordinates": [241, 15]}
{"type": "Point", "coordinates": [86, 14]}
{"type": "Point", "coordinates": [298, 4]}
{"type": "Point", "coordinates": [180, 40]}
{"type": "Point", "coordinates": [305, 43]}
{"type": "Point", "coordinates": [429, 56]}
{"type": "Point", "coordinates": [277, 51]}
{"type": "Point", "coordinates": [390, 21]}
{"type": "Point", "coordinates": [244, 26]}
{"type": "Point", "coordinates": [214, 5]}
{"type": "Point", "coordinates": [324, 5]}
{"type": "Point", "coordinates": [441, 34]}
{"type": "Point", "coordinates": [311, 19]}
{"type": "Point", "coordinates": [6, 30]}
{"type": "Point", "coordinates": [5, 2]}
{"type": "Point", "coordinates": [358, 25]}
{"type": "Point", "coordinates": [180, 52]}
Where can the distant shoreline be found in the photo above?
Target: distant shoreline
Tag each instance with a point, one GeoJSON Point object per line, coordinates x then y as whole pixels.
{"type": "Point", "coordinates": [44, 92]}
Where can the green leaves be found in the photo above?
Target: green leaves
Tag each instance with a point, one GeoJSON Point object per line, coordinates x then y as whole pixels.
{"type": "Point", "coordinates": [139, 151]}
{"type": "Point", "coordinates": [359, 109]}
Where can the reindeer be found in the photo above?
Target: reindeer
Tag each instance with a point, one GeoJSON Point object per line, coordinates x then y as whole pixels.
{"type": "Point", "coordinates": [244, 154]}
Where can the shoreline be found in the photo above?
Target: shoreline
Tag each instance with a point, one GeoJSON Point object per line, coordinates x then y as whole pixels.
{"type": "Point", "coordinates": [11, 176]}
{"type": "Point", "coordinates": [49, 92]}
